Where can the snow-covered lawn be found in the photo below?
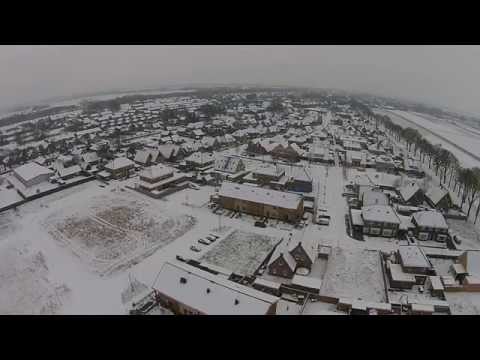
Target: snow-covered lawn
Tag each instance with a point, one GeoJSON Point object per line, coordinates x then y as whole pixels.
{"type": "Point", "coordinates": [240, 251]}
{"type": "Point", "coordinates": [116, 228]}
{"type": "Point", "coordinates": [25, 287]}
{"type": "Point", "coordinates": [469, 233]}
{"type": "Point", "coordinates": [464, 303]}
{"type": "Point", "coordinates": [354, 273]}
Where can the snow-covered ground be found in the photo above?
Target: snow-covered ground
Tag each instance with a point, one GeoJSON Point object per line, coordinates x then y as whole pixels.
{"type": "Point", "coordinates": [430, 127]}
{"type": "Point", "coordinates": [114, 228]}
{"type": "Point", "coordinates": [242, 252]}
{"type": "Point", "coordinates": [464, 303]}
{"type": "Point", "coordinates": [354, 273]}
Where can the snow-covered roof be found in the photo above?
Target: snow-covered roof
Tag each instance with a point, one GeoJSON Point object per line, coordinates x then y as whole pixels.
{"type": "Point", "coordinates": [266, 283]}
{"type": "Point", "coordinates": [201, 158]}
{"type": "Point", "coordinates": [307, 282]}
{"type": "Point", "coordinates": [413, 256]}
{"type": "Point", "coordinates": [302, 174]}
{"type": "Point", "coordinates": [269, 170]}
{"type": "Point", "coordinates": [398, 274]}
{"type": "Point", "coordinates": [90, 157]}
{"type": "Point", "coordinates": [356, 217]}
{"type": "Point", "coordinates": [282, 251]}
{"type": "Point", "coordinates": [430, 219]}
{"type": "Point", "coordinates": [156, 171]}
{"type": "Point", "coordinates": [260, 195]}
{"type": "Point", "coordinates": [435, 194]}
{"type": "Point", "coordinates": [228, 164]}
{"type": "Point", "coordinates": [380, 213]}
{"type": "Point", "coordinates": [384, 179]}
{"type": "Point", "coordinates": [210, 294]}
{"type": "Point", "coordinates": [141, 156]}
{"type": "Point", "coordinates": [119, 163]}
{"type": "Point", "coordinates": [31, 170]}
{"type": "Point", "coordinates": [408, 190]}
{"type": "Point", "coordinates": [66, 171]}
{"type": "Point", "coordinates": [374, 197]}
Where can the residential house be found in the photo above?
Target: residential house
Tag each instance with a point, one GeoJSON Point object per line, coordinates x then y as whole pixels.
{"type": "Point", "coordinates": [411, 194]}
{"type": "Point", "coordinates": [229, 164]}
{"type": "Point", "coordinates": [143, 157]}
{"type": "Point", "coordinates": [32, 174]}
{"type": "Point", "coordinates": [119, 167]}
{"type": "Point", "coordinates": [380, 220]}
{"type": "Point", "coordinates": [188, 290]}
{"type": "Point", "coordinates": [200, 160]}
{"type": "Point", "coordinates": [301, 180]}
{"type": "Point", "coordinates": [170, 153]}
{"type": "Point", "coordinates": [261, 202]}
{"type": "Point", "coordinates": [430, 225]}
{"type": "Point", "coordinates": [438, 198]}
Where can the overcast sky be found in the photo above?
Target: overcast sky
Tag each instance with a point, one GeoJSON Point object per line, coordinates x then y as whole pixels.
{"type": "Point", "coordinates": [445, 75]}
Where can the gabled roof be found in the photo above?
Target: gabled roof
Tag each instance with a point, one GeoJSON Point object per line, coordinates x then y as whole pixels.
{"type": "Point", "coordinates": [430, 219]}
{"type": "Point", "coordinates": [141, 156]}
{"type": "Point", "coordinates": [374, 197]}
{"type": "Point", "coordinates": [413, 256]}
{"type": "Point", "coordinates": [380, 213]}
{"type": "Point", "coordinates": [282, 251]}
{"type": "Point", "coordinates": [66, 171]}
{"type": "Point", "coordinates": [409, 190]}
{"type": "Point", "coordinates": [90, 157]}
{"type": "Point", "coordinates": [309, 246]}
{"type": "Point", "coordinates": [436, 194]}
{"type": "Point", "coordinates": [228, 164]}
{"type": "Point", "coordinates": [119, 163]}
{"type": "Point", "coordinates": [168, 150]}
{"type": "Point", "coordinates": [156, 171]}
{"type": "Point", "coordinates": [201, 158]}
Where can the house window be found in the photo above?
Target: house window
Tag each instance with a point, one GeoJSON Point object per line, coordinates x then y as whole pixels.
{"type": "Point", "coordinates": [375, 231]}
{"type": "Point", "coordinates": [387, 232]}
{"type": "Point", "coordinates": [366, 230]}
{"type": "Point", "coordinates": [423, 236]}
{"type": "Point", "coordinates": [441, 238]}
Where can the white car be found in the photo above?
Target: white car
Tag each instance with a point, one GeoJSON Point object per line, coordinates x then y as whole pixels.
{"type": "Point", "coordinates": [195, 248]}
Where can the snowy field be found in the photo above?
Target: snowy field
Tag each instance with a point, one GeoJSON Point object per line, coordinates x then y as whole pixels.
{"type": "Point", "coordinates": [115, 229]}
{"type": "Point", "coordinates": [469, 233]}
{"type": "Point", "coordinates": [464, 303]}
{"type": "Point", "coordinates": [429, 127]}
{"type": "Point", "coordinates": [354, 273]}
{"type": "Point", "coordinates": [240, 251]}
{"type": "Point", "coordinates": [25, 287]}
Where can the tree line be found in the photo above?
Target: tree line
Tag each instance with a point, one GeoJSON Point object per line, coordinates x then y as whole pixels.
{"type": "Point", "coordinates": [465, 181]}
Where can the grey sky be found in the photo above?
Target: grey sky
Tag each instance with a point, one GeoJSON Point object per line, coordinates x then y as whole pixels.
{"type": "Point", "coordinates": [445, 75]}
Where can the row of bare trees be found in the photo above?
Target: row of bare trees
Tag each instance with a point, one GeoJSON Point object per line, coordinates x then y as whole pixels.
{"type": "Point", "coordinates": [465, 182]}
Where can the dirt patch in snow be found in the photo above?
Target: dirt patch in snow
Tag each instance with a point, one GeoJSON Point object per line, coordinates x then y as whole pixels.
{"type": "Point", "coordinates": [113, 231]}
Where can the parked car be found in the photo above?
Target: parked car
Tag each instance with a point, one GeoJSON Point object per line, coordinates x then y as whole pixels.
{"type": "Point", "coordinates": [194, 186]}
{"type": "Point", "coordinates": [214, 236]}
{"type": "Point", "coordinates": [195, 248]}
{"type": "Point", "coordinates": [210, 238]}
{"type": "Point", "coordinates": [204, 242]}
{"type": "Point", "coordinates": [260, 224]}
